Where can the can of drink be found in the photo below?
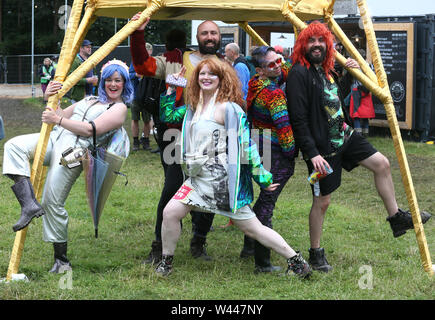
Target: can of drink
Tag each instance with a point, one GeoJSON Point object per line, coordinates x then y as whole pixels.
{"type": "Point", "coordinates": [315, 176]}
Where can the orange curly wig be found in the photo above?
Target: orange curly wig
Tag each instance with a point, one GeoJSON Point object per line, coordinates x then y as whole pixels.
{"type": "Point", "coordinates": [317, 29]}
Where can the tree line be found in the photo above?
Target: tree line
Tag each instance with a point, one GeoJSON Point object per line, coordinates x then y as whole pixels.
{"type": "Point", "coordinates": [16, 26]}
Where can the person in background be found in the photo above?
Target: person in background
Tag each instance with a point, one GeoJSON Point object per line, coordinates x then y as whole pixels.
{"type": "Point", "coordinates": [252, 70]}
{"type": "Point", "coordinates": [84, 87]}
{"type": "Point", "coordinates": [279, 51]}
{"type": "Point", "coordinates": [55, 60]}
{"type": "Point", "coordinates": [46, 73]}
{"type": "Point", "coordinates": [323, 133]}
{"type": "Point", "coordinates": [361, 106]}
{"type": "Point", "coordinates": [138, 110]}
{"type": "Point", "coordinates": [232, 53]}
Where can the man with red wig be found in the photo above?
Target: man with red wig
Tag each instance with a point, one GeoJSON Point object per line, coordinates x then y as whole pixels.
{"type": "Point", "coordinates": [322, 131]}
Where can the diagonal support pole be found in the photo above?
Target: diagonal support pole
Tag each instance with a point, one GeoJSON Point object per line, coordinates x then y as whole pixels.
{"type": "Point", "coordinates": [397, 139]}
{"type": "Point", "coordinates": [252, 33]}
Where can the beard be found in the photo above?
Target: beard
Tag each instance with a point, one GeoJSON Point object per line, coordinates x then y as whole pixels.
{"type": "Point", "coordinates": [204, 49]}
{"type": "Point", "coordinates": [313, 59]}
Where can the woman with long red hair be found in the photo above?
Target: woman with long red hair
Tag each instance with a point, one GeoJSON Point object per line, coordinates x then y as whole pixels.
{"type": "Point", "coordinates": [219, 160]}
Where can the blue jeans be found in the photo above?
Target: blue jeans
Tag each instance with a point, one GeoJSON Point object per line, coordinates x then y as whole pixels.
{"type": "Point", "coordinates": [362, 123]}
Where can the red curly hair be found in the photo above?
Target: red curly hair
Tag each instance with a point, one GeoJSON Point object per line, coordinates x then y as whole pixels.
{"type": "Point", "coordinates": [230, 88]}
{"type": "Point", "coordinates": [317, 29]}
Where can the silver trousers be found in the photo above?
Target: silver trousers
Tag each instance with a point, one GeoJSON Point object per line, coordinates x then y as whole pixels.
{"type": "Point", "coordinates": [19, 152]}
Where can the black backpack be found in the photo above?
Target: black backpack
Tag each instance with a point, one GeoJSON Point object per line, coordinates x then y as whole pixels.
{"type": "Point", "coordinates": [147, 95]}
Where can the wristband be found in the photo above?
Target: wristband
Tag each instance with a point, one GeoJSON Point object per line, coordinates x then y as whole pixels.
{"type": "Point", "coordinates": [60, 121]}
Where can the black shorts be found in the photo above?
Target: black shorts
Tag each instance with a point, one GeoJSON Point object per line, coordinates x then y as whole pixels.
{"type": "Point", "coordinates": [355, 150]}
{"type": "Point", "coordinates": [138, 112]}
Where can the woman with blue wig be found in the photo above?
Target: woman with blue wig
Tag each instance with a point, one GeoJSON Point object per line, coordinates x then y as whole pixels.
{"type": "Point", "coordinates": [73, 128]}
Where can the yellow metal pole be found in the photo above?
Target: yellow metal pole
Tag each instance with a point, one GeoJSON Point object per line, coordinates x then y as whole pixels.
{"type": "Point", "coordinates": [397, 139]}
{"type": "Point", "coordinates": [350, 48]}
{"type": "Point", "coordinates": [254, 35]}
{"type": "Point", "coordinates": [298, 24]}
{"type": "Point", "coordinates": [108, 47]}
{"type": "Point", "coordinates": [296, 32]}
{"type": "Point", "coordinates": [87, 21]}
{"type": "Point", "coordinates": [37, 173]}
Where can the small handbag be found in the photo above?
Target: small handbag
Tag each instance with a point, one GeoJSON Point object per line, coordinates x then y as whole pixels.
{"type": "Point", "coordinates": [177, 82]}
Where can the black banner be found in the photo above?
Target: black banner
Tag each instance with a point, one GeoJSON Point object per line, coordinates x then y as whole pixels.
{"type": "Point", "coordinates": [393, 50]}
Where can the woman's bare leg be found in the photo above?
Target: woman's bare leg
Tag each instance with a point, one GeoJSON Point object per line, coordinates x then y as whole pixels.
{"type": "Point", "coordinates": [268, 237]}
{"type": "Point", "coordinates": [173, 213]}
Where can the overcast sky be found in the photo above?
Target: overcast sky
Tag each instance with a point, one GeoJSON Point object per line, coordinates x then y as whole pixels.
{"type": "Point", "coordinates": [400, 7]}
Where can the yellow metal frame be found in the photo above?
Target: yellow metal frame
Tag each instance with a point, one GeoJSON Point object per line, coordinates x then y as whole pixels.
{"type": "Point", "coordinates": [376, 82]}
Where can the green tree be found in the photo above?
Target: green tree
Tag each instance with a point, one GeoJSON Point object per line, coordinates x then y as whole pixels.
{"type": "Point", "coordinates": [16, 23]}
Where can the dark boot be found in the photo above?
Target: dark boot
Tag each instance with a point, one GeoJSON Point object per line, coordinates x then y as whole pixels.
{"type": "Point", "coordinates": [146, 143]}
{"type": "Point", "coordinates": [136, 143]}
{"type": "Point", "coordinates": [30, 207]}
{"type": "Point", "coordinates": [262, 260]}
{"type": "Point", "coordinates": [197, 248]}
{"type": "Point", "coordinates": [299, 266]}
{"type": "Point", "coordinates": [248, 247]}
{"type": "Point", "coordinates": [61, 262]}
{"type": "Point", "coordinates": [318, 260]}
{"type": "Point", "coordinates": [402, 221]}
{"type": "Point", "coordinates": [155, 255]}
{"type": "Point", "coordinates": [164, 268]}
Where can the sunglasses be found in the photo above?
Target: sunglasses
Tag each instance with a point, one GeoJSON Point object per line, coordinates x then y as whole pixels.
{"type": "Point", "coordinates": [272, 64]}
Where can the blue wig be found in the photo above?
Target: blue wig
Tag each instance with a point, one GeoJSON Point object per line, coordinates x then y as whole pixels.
{"type": "Point", "coordinates": [128, 91]}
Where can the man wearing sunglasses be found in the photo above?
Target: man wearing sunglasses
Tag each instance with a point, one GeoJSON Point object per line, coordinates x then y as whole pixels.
{"type": "Point", "coordinates": [267, 113]}
{"type": "Point", "coordinates": [323, 133]}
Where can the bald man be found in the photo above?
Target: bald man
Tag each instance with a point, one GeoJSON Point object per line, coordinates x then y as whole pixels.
{"type": "Point", "coordinates": [209, 40]}
{"type": "Point", "coordinates": [232, 53]}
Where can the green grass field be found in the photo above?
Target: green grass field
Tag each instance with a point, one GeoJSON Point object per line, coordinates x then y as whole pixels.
{"type": "Point", "coordinates": [368, 262]}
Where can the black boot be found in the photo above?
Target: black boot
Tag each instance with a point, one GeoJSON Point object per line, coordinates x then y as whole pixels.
{"type": "Point", "coordinates": [155, 255]}
{"type": "Point", "coordinates": [402, 221]}
{"type": "Point", "coordinates": [146, 143]}
{"type": "Point", "coordinates": [164, 268]}
{"type": "Point", "coordinates": [318, 260]}
{"type": "Point", "coordinates": [197, 248]}
{"type": "Point", "coordinates": [136, 143]}
{"type": "Point", "coordinates": [61, 262]}
{"type": "Point", "coordinates": [299, 266]}
{"type": "Point", "coordinates": [262, 259]}
{"type": "Point", "coordinates": [248, 247]}
{"type": "Point", "coordinates": [30, 207]}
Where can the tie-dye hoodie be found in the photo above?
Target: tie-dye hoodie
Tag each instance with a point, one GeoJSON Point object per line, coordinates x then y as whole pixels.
{"type": "Point", "coordinates": [267, 109]}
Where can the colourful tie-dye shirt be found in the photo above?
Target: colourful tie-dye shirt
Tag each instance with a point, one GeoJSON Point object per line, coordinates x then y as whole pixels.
{"type": "Point", "coordinates": [339, 131]}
